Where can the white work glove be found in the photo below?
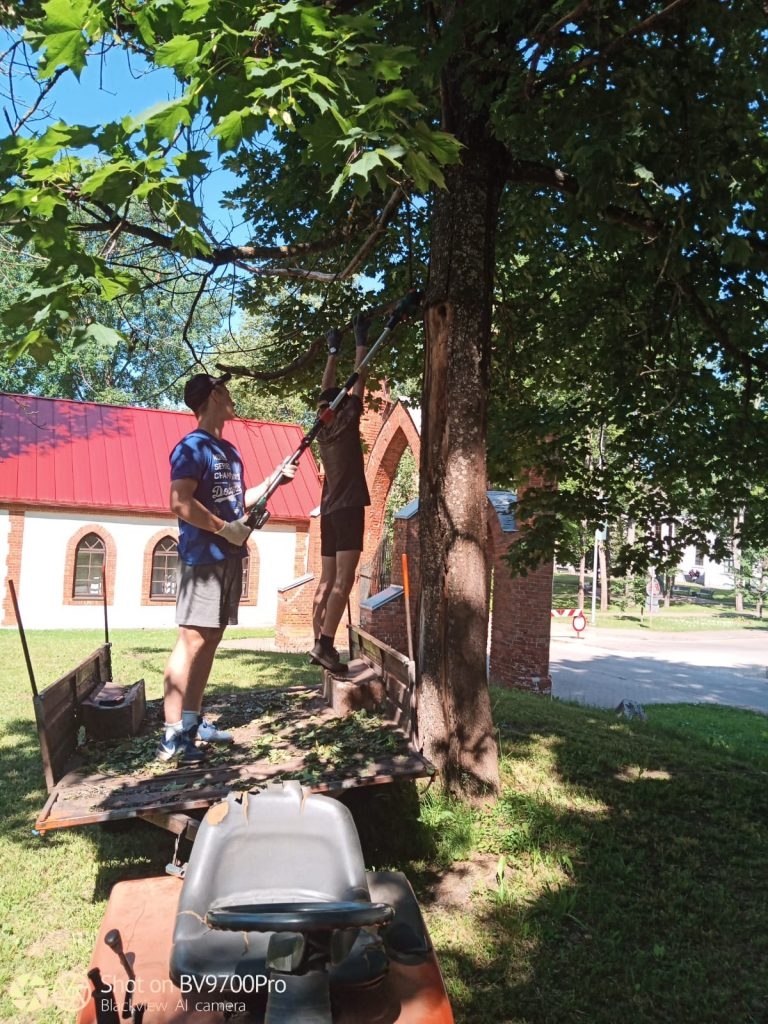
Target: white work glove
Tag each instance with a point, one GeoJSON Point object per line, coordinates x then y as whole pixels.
{"type": "Point", "coordinates": [236, 532]}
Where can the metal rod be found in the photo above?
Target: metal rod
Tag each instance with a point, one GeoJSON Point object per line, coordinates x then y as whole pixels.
{"type": "Point", "coordinates": [104, 595]}
{"type": "Point", "coordinates": [413, 700]}
{"type": "Point", "coordinates": [257, 514]}
{"type": "Point", "coordinates": [27, 658]}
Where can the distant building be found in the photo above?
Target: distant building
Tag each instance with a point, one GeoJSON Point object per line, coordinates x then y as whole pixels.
{"type": "Point", "coordinates": [697, 567]}
{"type": "Point", "coordinates": [84, 491]}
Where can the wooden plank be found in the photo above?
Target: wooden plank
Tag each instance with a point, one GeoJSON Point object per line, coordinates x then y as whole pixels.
{"type": "Point", "coordinates": [178, 824]}
{"type": "Point", "coordinates": [391, 661]}
{"type": "Point", "coordinates": [122, 797]}
{"type": "Point", "coordinates": [57, 711]}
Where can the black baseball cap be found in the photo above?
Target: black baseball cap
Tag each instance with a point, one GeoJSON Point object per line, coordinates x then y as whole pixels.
{"type": "Point", "coordinates": [198, 388]}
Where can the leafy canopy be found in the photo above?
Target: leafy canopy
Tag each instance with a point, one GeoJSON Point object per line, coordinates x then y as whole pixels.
{"type": "Point", "coordinates": [631, 256]}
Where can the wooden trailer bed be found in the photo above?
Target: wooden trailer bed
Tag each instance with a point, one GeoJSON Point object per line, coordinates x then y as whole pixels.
{"type": "Point", "coordinates": [353, 732]}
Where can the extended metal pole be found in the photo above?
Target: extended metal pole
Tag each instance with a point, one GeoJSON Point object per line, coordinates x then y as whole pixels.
{"type": "Point", "coordinates": [258, 514]}
{"type": "Point", "coordinates": [104, 596]}
{"type": "Point", "coordinates": [27, 658]}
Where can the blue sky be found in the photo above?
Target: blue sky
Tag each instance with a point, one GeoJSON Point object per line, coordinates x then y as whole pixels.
{"type": "Point", "coordinates": [111, 89]}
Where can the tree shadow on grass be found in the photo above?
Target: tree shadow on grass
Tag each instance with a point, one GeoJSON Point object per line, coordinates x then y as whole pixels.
{"type": "Point", "coordinates": [634, 884]}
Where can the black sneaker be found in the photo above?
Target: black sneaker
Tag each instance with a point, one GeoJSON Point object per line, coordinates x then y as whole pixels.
{"type": "Point", "coordinates": [313, 660]}
{"type": "Point", "coordinates": [328, 657]}
{"type": "Point", "coordinates": [181, 747]}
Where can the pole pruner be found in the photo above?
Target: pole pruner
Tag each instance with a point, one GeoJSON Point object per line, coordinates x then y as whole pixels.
{"type": "Point", "coordinates": [258, 514]}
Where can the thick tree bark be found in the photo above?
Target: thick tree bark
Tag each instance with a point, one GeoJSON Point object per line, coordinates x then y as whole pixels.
{"type": "Point", "coordinates": [736, 558]}
{"type": "Point", "coordinates": [455, 721]}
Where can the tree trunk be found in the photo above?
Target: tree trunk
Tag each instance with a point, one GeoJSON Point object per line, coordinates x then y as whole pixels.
{"type": "Point", "coordinates": [736, 561]}
{"type": "Point", "coordinates": [604, 587]}
{"type": "Point", "coordinates": [454, 715]}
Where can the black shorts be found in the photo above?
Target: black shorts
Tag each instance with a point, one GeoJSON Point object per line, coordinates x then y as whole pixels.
{"type": "Point", "coordinates": [342, 530]}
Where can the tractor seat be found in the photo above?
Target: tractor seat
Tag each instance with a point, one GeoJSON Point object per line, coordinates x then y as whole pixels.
{"type": "Point", "coordinates": [278, 845]}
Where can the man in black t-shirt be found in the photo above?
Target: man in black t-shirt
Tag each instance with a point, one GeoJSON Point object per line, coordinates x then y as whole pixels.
{"type": "Point", "coordinates": [343, 501]}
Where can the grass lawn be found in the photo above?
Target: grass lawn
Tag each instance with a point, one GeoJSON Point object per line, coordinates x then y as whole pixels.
{"type": "Point", "coordinates": [621, 876]}
{"type": "Point", "coordinates": [681, 616]}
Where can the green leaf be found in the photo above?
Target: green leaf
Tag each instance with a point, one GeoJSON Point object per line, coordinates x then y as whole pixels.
{"type": "Point", "coordinates": [234, 127]}
{"type": "Point", "coordinates": [179, 52]}
{"type": "Point", "coordinates": [112, 181]}
{"type": "Point", "coordinates": [60, 136]}
{"type": "Point", "coordinates": [100, 333]}
{"type": "Point", "coordinates": [402, 99]}
{"type": "Point", "coordinates": [64, 36]}
{"type": "Point", "coordinates": [366, 164]}
{"type": "Point", "coordinates": [190, 243]}
{"type": "Point", "coordinates": [195, 10]}
{"type": "Point", "coordinates": [161, 120]}
{"type": "Point", "coordinates": [115, 284]}
{"type": "Point", "coordinates": [192, 163]}
{"type": "Point", "coordinates": [423, 172]}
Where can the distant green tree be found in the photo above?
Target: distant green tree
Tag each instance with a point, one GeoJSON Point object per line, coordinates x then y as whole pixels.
{"type": "Point", "coordinates": [144, 356]}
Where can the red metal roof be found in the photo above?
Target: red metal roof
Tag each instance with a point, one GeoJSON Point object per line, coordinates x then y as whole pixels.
{"type": "Point", "coordinates": [59, 453]}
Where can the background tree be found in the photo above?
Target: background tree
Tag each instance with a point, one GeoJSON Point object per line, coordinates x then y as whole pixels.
{"type": "Point", "coordinates": [594, 171]}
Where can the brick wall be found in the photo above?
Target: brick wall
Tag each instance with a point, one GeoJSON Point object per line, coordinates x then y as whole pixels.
{"type": "Point", "coordinates": [521, 618]}
{"type": "Point", "coordinates": [13, 570]}
{"type": "Point", "coordinates": [520, 630]}
{"type": "Point", "coordinates": [293, 631]}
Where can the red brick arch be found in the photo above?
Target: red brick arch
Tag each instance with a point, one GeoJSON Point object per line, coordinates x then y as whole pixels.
{"type": "Point", "coordinates": [395, 432]}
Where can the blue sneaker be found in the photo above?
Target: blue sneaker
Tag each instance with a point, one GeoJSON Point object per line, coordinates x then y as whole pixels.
{"type": "Point", "coordinates": [208, 733]}
{"type": "Point", "coordinates": [181, 747]}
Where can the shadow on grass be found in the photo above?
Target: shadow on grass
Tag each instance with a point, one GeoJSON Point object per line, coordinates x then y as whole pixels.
{"type": "Point", "coordinates": [634, 886]}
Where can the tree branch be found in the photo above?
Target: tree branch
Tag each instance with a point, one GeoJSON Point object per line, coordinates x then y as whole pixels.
{"type": "Point", "coordinates": [323, 277]}
{"type": "Point", "coordinates": [306, 358]}
{"type": "Point", "coordinates": [533, 87]}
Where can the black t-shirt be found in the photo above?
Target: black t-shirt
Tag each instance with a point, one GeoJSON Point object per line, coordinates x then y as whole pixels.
{"type": "Point", "coordinates": [341, 451]}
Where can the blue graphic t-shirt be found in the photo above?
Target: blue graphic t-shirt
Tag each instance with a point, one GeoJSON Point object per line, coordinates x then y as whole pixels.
{"type": "Point", "coordinates": [218, 469]}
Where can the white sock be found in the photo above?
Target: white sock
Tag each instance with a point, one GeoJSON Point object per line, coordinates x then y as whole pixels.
{"type": "Point", "coordinates": [172, 728]}
{"type": "Point", "coordinates": [189, 719]}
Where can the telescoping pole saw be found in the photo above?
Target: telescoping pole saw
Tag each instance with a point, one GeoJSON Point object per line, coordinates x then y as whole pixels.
{"type": "Point", "coordinates": [258, 514]}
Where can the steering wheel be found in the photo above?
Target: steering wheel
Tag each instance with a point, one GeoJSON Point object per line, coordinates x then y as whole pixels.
{"type": "Point", "coordinates": [298, 917]}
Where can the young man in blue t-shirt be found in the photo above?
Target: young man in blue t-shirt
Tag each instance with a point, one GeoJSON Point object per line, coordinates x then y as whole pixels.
{"type": "Point", "coordinates": [208, 496]}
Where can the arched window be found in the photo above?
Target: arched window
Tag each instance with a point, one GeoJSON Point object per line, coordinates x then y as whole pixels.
{"type": "Point", "coordinates": [246, 577]}
{"type": "Point", "coordinates": [163, 579]}
{"type": "Point", "coordinates": [90, 556]}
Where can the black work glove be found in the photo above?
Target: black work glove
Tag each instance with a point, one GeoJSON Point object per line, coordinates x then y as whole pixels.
{"type": "Point", "coordinates": [360, 325]}
{"type": "Point", "coordinates": [333, 338]}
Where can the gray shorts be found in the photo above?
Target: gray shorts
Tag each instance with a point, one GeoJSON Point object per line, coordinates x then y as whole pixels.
{"type": "Point", "coordinates": [208, 595]}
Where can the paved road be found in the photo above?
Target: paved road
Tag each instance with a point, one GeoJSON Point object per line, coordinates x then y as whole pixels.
{"type": "Point", "coordinates": [607, 666]}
